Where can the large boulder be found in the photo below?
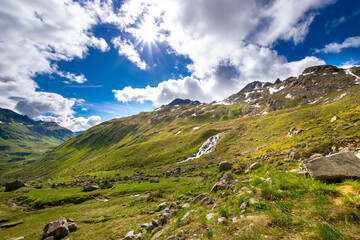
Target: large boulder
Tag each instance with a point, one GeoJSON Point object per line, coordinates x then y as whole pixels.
{"type": "Point", "coordinates": [333, 167]}
{"type": "Point", "coordinates": [58, 229]}
{"type": "Point", "coordinates": [11, 186]}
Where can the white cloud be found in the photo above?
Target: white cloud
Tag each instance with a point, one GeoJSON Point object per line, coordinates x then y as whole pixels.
{"type": "Point", "coordinates": [74, 124]}
{"type": "Point", "coordinates": [351, 42]}
{"type": "Point", "coordinates": [34, 36]}
{"type": "Point", "coordinates": [229, 43]}
{"type": "Point", "coordinates": [84, 109]}
{"type": "Point", "coordinates": [126, 48]}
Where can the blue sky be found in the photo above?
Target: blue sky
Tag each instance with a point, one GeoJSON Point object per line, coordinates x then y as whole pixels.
{"type": "Point", "coordinates": [79, 63]}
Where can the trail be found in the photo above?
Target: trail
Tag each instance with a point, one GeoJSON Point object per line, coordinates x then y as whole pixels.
{"type": "Point", "coordinates": [205, 148]}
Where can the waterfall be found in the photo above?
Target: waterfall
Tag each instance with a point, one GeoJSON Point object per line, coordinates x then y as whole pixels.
{"type": "Point", "coordinates": [205, 148]}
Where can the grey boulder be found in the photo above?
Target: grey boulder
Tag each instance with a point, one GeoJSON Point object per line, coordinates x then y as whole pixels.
{"type": "Point", "coordinates": [333, 167]}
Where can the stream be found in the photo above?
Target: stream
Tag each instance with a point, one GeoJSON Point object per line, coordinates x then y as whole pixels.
{"type": "Point", "coordinates": [205, 148]}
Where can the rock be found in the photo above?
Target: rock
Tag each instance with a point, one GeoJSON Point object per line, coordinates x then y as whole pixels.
{"type": "Point", "coordinates": [166, 210]}
{"type": "Point", "coordinates": [210, 216]}
{"type": "Point", "coordinates": [50, 238]}
{"type": "Point", "coordinates": [150, 227]}
{"type": "Point", "coordinates": [186, 215]}
{"type": "Point", "coordinates": [294, 155]}
{"type": "Point", "coordinates": [58, 228]}
{"type": "Point", "coordinates": [153, 180]}
{"type": "Point", "coordinates": [106, 185]}
{"type": "Point", "coordinates": [333, 167]}
{"type": "Point", "coordinates": [205, 201]}
{"type": "Point", "coordinates": [171, 238]}
{"type": "Point", "coordinates": [144, 225]}
{"type": "Point", "coordinates": [255, 166]}
{"type": "Point", "coordinates": [186, 205]}
{"type": "Point", "coordinates": [227, 177]}
{"type": "Point", "coordinates": [162, 205]}
{"type": "Point", "coordinates": [243, 205]}
{"type": "Point", "coordinates": [221, 220]}
{"type": "Point", "coordinates": [9, 225]}
{"type": "Point", "coordinates": [72, 226]}
{"type": "Point", "coordinates": [130, 235]}
{"type": "Point", "coordinates": [222, 185]}
{"type": "Point", "coordinates": [225, 166]}
{"type": "Point", "coordinates": [333, 119]}
{"type": "Point", "coordinates": [19, 238]}
{"type": "Point", "coordinates": [90, 188]}
{"type": "Point", "coordinates": [253, 200]}
{"type": "Point", "coordinates": [198, 198]}
{"type": "Point", "coordinates": [167, 216]}
{"type": "Point", "coordinates": [154, 222]}
{"type": "Point", "coordinates": [11, 186]}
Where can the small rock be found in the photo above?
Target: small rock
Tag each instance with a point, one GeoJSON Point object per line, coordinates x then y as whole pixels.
{"type": "Point", "coordinates": [255, 166]}
{"type": "Point", "coordinates": [19, 238]}
{"type": "Point", "coordinates": [205, 201]}
{"type": "Point", "coordinates": [198, 198]}
{"type": "Point", "coordinates": [221, 220]}
{"type": "Point", "coordinates": [153, 180]}
{"type": "Point", "coordinates": [91, 188]}
{"type": "Point", "coordinates": [9, 225]}
{"type": "Point", "coordinates": [150, 227]}
{"type": "Point", "coordinates": [72, 226]}
{"type": "Point", "coordinates": [225, 166]}
{"type": "Point", "coordinates": [162, 205]}
{"type": "Point", "coordinates": [333, 119]}
{"type": "Point", "coordinates": [186, 205]}
{"type": "Point", "coordinates": [50, 238]}
{"type": "Point", "coordinates": [210, 216]}
{"type": "Point", "coordinates": [171, 238]}
{"type": "Point", "coordinates": [156, 223]}
{"type": "Point", "coordinates": [253, 200]}
{"type": "Point", "coordinates": [243, 205]}
{"type": "Point", "coordinates": [227, 177]}
{"type": "Point", "coordinates": [130, 235]}
{"type": "Point", "coordinates": [186, 215]}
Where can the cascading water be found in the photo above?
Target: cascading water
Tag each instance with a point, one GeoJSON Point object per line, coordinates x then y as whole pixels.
{"type": "Point", "coordinates": [205, 148]}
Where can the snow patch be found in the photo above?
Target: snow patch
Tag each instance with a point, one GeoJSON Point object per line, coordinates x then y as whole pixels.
{"type": "Point", "coordinates": [194, 115]}
{"type": "Point", "coordinates": [196, 128]}
{"type": "Point", "coordinates": [315, 101]}
{"type": "Point", "coordinates": [340, 97]}
{"type": "Point", "coordinates": [264, 113]}
{"type": "Point", "coordinates": [247, 95]}
{"type": "Point", "coordinates": [289, 96]}
{"type": "Point", "coordinates": [257, 105]}
{"type": "Point", "coordinates": [273, 90]}
{"type": "Point", "coordinates": [205, 148]}
{"type": "Point", "coordinates": [177, 133]}
{"type": "Point", "coordinates": [306, 74]}
{"type": "Point", "coordinates": [349, 72]}
{"type": "Point", "coordinates": [157, 109]}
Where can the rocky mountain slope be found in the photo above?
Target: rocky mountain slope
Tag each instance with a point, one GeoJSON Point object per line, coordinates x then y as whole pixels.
{"type": "Point", "coordinates": [23, 139]}
{"type": "Point", "coordinates": [244, 168]}
{"type": "Point", "coordinates": [173, 133]}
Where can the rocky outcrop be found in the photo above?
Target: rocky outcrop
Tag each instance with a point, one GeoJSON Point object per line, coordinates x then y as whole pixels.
{"type": "Point", "coordinates": [331, 168]}
{"type": "Point", "coordinates": [11, 186]}
{"type": "Point", "coordinates": [59, 228]}
{"type": "Point", "coordinates": [225, 166]}
{"type": "Point", "coordinates": [179, 101]}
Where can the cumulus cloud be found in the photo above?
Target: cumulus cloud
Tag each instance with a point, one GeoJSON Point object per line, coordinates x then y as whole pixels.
{"type": "Point", "coordinates": [74, 124]}
{"type": "Point", "coordinates": [351, 42]}
{"type": "Point", "coordinates": [34, 36]}
{"type": "Point", "coordinates": [229, 43]}
{"type": "Point", "coordinates": [126, 48]}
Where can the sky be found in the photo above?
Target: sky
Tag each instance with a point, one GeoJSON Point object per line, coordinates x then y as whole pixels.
{"type": "Point", "coordinates": [79, 63]}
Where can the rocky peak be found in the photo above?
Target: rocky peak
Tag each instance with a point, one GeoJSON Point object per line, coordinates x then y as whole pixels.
{"type": "Point", "coordinates": [320, 69]}
{"type": "Point", "coordinates": [179, 101]}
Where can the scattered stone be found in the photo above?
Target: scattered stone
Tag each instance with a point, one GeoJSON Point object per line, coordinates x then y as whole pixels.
{"type": "Point", "coordinates": [9, 225]}
{"type": "Point", "coordinates": [333, 167]}
{"type": "Point", "coordinates": [153, 180]}
{"type": "Point", "coordinates": [253, 200]}
{"type": "Point", "coordinates": [295, 170]}
{"type": "Point", "coordinates": [333, 119]}
{"type": "Point", "coordinates": [72, 226]}
{"type": "Point", "coordinates": [144, 225]}
{"type": "Point", "coordinates": [186, 205]}
{"type": "Point", "coordinates": [210, 216]}
{"type": "Point", "coordinates": [221, 221]}
{"type": "Point", "coordinates": [58, 228]}
{"type": "Point", "coordinates": [198, 198]}
{"type": "Point", "coordinates": [189, 193]}
{"type": "Point", "coordinates": [173, 205]}
{"type": "Point", "coordinates": [205, 201]}
{"type": "Point", "coordinates": [255, 166]}
{"type": "Point", "coordinates": [227, 177]}
{"type": "Point", "coordinates": [167, 216]}
{"type": "Point", "coordinates": [225, 166]}
{"type": "Point", "coordinates": [162, 205]}
{"type": "Point", "coordinates": [171, 238]}
{"type": "Point", "coordinates": [50, 238]}
{"type": "Point", "coordinates": [176, 180]}
{"type": "Point", "coordinates": [129, 236]}
{"type": "Point", "coordinates": [181, 197]}
{"type": "Point", "coordinates": [243, 205]}
{"type": "Point", "coordinates": [91, 188]}
{"type": "Point", "coordinates": [19, 238]}
{"type": "Point", "coordinates": [154, 222]}
{"type": "Point", "coordinates": [150, 227]}
{"type": "Point", "coordinates": [11, 186]}
{"type": "Point", "coordinates": [186, 215]}
{"type": "Point", "coordinates": [222, 185]}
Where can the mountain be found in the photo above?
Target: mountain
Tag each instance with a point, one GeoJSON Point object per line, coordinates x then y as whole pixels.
{"type": "Point", "coordinates": [257, 85]}
{"type": "Point", "coordinates": [23, 140]}
{"type": "Point", "coordinates": [179, 101]}
{"type": "Point", "coordinates": [174, 132]}
{"type": "Point", "coordinates": [209, 171]}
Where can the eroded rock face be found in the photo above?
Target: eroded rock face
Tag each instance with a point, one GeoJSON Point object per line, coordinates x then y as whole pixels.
{"type": "Point", "coordinates": [333, 167]}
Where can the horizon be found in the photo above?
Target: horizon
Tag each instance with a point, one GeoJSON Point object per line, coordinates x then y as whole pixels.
{"type": "Point", "coordinates": [80, 63]}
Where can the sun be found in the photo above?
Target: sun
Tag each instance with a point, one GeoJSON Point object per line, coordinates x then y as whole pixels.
{"type": "Point", "coordinates": [148, 31]}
